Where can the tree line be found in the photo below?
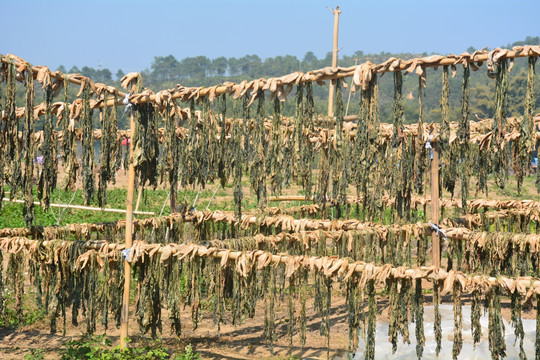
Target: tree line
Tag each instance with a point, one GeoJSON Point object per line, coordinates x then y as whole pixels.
{"type": "Point", "coordinates": [168, 71]}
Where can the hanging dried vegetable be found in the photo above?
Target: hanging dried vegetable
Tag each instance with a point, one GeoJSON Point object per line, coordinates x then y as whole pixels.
{"type": "Point", "coordinates": [497, 345]}
{"type": "Point", "coordinates": [369, 352]}
{"type": "Point", "coordinates": [449, 153]}
{"type": "Point", "coordinates": [87, 144]}
{"type": "Point", "coordinates": [275, 157]}
{"type": "Point", "coordinates": [10, 133]}
{"type": "Point", "coordinates": [270, 316]}
{"type": "Point", "coordinates": [420, 150]}
{"type": "Point", "coordinates": [421, 246]}
{"type": "Point", "coordinates": [109, 149]}
{"type": "Point", "coordinates": [145, 145]}
{"type": "Point", "coordinates": [257, 169]}
{"type": "Point", "coordinates": [516, 322]}
{"type": "Point", "coordinates": [527, 141]}
{"type": "Point", "coordinates": [27, 152]}
{"type": "Point", "coordinates": [368, 151]}
{"type": "Point", "coordinates": [238, 158]}
{"type": "Point", "coordinates": [476, 313]}
{"type": "Point", "coordinates": [222, 168]}
{"type": "Point", "coordinates": [2, 285]}
{"type": "Point", "coordinates": [2, 138]}
{"type": "Point", "coordinates": [48, 176]}
{"type": "Point", "coordinates": [394, 320]}
{"type": "Point", "coordinates": [402, 154]}
{"type": "Point", "coordinates": [437, 317]}
{"type": "Point", "coordinates": [498, 148]}
{"type": "Point", "coordinates": [537, 338]}
{"type": "Point", "coordinates": [174, 283]}
{"type": "Point", "coordinates": [463, 135]}
{"type": "Point", "coordinates": [340, 152]}
{"type": "Point", "coordinates": [15, 280]}
{"type": "Point", "coordinates": [149, 302]}
{"type": "Point", "coordinates": [404, 306]}
{"type": "Point", "coordinates": [321, 192]}
{"type": "Point", "coordinates": [306, 150]}
{"type": "Point", "coordinates": [352, 300]}
{"type": "Point", "coordinates": [458, 321]}
{"type": "Point", "coordinates": [69, 145]}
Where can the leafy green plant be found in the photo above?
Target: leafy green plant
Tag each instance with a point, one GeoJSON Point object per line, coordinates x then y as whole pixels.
{"type": "Point", "coordinates": [188, 354]}
{"type": "Point", "coordinates": [100, 348]}
{"type": "Point", "coordinates": [35, 354]}
{"type": "Point", "coordinates": [13, 320]}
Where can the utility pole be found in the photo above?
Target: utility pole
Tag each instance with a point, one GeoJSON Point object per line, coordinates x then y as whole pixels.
{"type": "Point", "coordinates": [336, 13]}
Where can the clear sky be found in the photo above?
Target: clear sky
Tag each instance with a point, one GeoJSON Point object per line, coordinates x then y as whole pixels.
{"type": "Point", "coordinates": [128, 34]}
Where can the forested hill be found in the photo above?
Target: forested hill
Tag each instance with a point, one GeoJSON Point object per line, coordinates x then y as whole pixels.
{"type": "Point", "coordinates": [166, 72]}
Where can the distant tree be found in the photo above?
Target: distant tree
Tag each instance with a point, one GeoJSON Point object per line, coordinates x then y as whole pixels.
{"type": "Point", "coordinates": [529, 40]}
{"type": "Point", "coordinates": [233, 66]}
{"type": "Point", "coordinates": [119, 74]}
{"type": "Point", "coordinates": [165, 68]}
{"type": "Point", "coordinates": [105, 75]}
{"type": "Point", "coordinates": [250, 65]}
{"type": "Point", "coordinates": [309, 62]}
{"type": "Point", "coordinates": [310, 58]}
{"type": "Point", "coordinates": [62, 69]}
{"type": "Point", "coordinates": [327, 61]}
{"type": "Point", "coordinates": [74, 70]}
{"type": "Point", "coordinates": [195, 67]}
{"type": "Point", "coordinates": [280, 65]}
{"type": "Point", "coordinates": [89, 72]}
{"type": "Point", "coordinates": [219, 66]}
{"type": "Point", "coordinates": [358, 54]}
{"type": "Point", "coordinates": [471, 49]}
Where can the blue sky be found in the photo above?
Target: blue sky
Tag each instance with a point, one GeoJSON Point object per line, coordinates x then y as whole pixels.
{"type": "Point", "coordinates": [128, 34]}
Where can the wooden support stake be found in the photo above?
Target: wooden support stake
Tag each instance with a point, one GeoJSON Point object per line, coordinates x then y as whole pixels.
{"type": "Point", "coordinates": [128, 241]}
{"type": "Point", "coordinates": [436, 248]}
{"type": "Point", "coordinates": [336, 13]}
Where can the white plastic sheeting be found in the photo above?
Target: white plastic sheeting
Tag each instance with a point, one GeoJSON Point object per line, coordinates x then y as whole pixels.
{"type": "Point", "coordinates": [383, 348]}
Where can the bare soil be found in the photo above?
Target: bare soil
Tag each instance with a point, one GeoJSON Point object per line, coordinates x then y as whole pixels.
{"type": "Point", "coordinates": [241, 342]}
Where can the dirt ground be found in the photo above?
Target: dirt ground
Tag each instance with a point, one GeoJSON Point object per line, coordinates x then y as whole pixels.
{"type": "Point", "coordinates": [242, 342]}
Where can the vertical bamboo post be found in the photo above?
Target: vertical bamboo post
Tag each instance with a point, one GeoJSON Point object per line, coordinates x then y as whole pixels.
{"type": "Point", "coordinates": [128, 242]}
{"type": "Point", "coordinates": [436, 249]}
{"type": "Point", "coordinates": [336, 13]}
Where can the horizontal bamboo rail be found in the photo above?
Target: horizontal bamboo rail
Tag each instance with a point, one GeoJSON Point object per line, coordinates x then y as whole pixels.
{"type": "Point", "coordinates": [246, 261]}
{"type": "Point", "coordinates": [72, 78]}
{"type": "Point", "coordinates": [324, 74]}
{"type": "Point", "coordinates": [81, 207]}
{"type": "Point", "coordinates": [321, 75]}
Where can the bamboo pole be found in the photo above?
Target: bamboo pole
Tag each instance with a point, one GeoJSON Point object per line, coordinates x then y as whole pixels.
{"type": "Point", "coordinates": [128, 243]}
{"type": "Point", "coordinates": [336, 13]}
{"type": "Point", "coordinates": [342, 73]}
{"type": "Point", "coordinates": [60, 76]}
{"type": "Point", "coordinates": [80, 207]}
{"type": "Point", "coordinates": [339, 265]}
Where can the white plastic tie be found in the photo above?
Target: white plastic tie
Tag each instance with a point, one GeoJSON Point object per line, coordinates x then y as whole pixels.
{"type": "Point", "coordinates": [438, 230]}
{"type": "Point", "coordinates": [126, 253]}
{"type": "Point", "coordinates": [428, 146]}
{"type": "Point", "coordinates": [129, 106]}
